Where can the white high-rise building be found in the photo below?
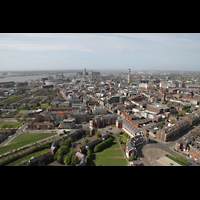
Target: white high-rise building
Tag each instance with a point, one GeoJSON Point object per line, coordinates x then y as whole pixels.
{"type": "Point", "coordinates": [129, 71]}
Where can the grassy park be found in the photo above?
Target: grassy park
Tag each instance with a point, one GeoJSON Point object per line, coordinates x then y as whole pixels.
{"type": "Point", "coordinates": [24, 139]}
{"type": "Point", "coordinates": [13, 124]}
{"type": "Point", "coordinates": [106, 157]}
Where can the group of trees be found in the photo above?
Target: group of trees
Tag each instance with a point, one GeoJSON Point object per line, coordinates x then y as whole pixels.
{"type": "Point", "coordinates": [7, 126]}
{"type": "Point", "coordinates": [104, 144]}
{"type": "Point", "coordinates": [66, 153]}
{"type": "Point", "coordinates": [35, 106]}
{"type": "Point", "coordinates": [23, 116]}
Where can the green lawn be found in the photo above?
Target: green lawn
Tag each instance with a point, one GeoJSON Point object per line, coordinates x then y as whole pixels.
{"type": "Point", "coordinates": [44, 106]}
{"type": "Point", "coordinates": [106, 157]}
{"type": "Point", "coordinates": [14, 124]}
{"type": "Point", "coordinates": [123, 138]}
{"type": "Point", "coordinates": [176, 160]}
{"type": "Point", "coordinates": [27, 157]}
{"type": "Point", "coordinates": [24, 139]}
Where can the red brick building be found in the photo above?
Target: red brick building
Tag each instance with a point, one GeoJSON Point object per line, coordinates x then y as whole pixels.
{"type": "Point", "coordinates": [168, 132]}
{"type": "Point", "coordinates": [195, 151]}
{"type": "Point", "coordinates": [103, 121]}
{"type": "Point", "coordinates": [40, 124]}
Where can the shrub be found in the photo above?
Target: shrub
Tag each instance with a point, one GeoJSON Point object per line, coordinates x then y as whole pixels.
{"type": "Point", "coordinates": [132, 158]}
{"type": "Point", "coordinates": [160, 126]}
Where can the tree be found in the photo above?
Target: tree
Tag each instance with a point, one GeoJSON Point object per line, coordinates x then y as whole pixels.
{"type": "Point", "coordinates": [17, 116]}
{"type": "Point", "coordinates": [87, 132]}
{"type": "Point", "coordinates": [48, 102]}
{"type": "Point", "coordinates": [173, 121]}
{"type": "Point", "coordinates": [160, 126]}
{"type": "Point", "coordinates": [59, 158]}
{"type": "Point", "coordinates": [24, 117]}
{"type": "Point", "coordinates": [4, 126]}
{"type": "Point", "coordinates": [89, 153]}
{"type": "Point", "coordinates": [187, 110]}
{"type": "Point", "coordinates": [67, 160]}
{"type": "Point", "coordinates": [98, 135]}
{"type": "Point", "coordinates": [68, 142]}
{"type": "Point", "coordinates": [74, 160]}
{"type": "Point", "coordinates": [181, 113]}
{"type": "Point", "coordinates": [22, 107]}
{"type": "Point", "coordinates": [96, 148]}
{"type": "Point", "coordinates": [86, 140]}
{"type": "Point", "coordinates": [63, 150]}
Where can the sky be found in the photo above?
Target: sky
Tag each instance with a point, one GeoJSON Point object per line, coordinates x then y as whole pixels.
{"type": "Point", "coordinates": [100, 51]}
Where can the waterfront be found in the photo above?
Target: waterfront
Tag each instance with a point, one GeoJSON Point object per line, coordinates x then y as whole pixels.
{"type": "Point", "coordinates": [27, 78]}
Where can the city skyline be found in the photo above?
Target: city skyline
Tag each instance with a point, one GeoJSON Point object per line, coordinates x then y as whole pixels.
{"type": "Point", "coordinates": [99, 51]}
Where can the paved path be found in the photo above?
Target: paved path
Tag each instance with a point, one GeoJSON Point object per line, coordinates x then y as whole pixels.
{"type": "Point", "coordinates": [122, 150]}
{"type": "Point", "coordinates": [10, 138]}
{"type": "Point", "coordinates": [153, 154]}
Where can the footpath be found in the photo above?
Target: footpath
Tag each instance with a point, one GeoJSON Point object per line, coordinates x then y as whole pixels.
{"type": "Point", "coordinates": [122, 150]}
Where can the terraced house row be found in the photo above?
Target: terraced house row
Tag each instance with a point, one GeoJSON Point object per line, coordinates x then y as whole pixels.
{"type": "Point", "coordinates": [189, 145]}
{"type": "Point", "coordinates": [184, 123]}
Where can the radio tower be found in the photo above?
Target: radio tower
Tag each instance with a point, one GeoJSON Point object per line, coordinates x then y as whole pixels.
{"type": "Point", "coordinates": [129, 71]}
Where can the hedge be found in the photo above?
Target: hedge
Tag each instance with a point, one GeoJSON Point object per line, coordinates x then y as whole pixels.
{"type": "Point", "coordinates": [104, 144]}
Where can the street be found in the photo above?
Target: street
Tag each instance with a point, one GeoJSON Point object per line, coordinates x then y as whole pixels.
{"type": "Point", "coordinates": [167, 147]}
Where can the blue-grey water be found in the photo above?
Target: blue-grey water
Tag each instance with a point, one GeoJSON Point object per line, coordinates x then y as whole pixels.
{"type": "Point", "coordinates": [27, 78]}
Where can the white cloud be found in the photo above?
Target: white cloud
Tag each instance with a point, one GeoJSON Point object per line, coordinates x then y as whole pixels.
{"type": "Point", "coordinates": [110, 48]}
{"type": "Point", "coordinates": [9, 44]}
{"type": "Point", "coordinates": [104, 43]}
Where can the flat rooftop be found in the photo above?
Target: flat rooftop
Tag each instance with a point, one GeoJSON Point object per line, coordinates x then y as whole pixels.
{"type": "Point", "coordinates": [158, 106]}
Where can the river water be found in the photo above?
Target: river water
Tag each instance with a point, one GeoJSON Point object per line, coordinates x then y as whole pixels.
{"type": "Point", "coordinates": [27, 78]}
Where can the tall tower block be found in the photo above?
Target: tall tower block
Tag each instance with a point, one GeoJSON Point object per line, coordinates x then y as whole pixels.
{"type": "Point", "coordinates": [84, 72]}
{"type": "Point", "coordinates": [129, 71]}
